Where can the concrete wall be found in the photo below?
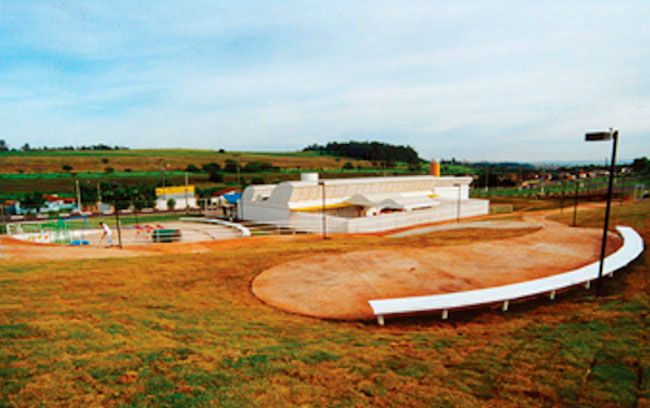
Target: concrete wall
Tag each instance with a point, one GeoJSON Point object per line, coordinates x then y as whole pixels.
{"type": "Point", "coordinates": [447, 210]}
{"type": "Point", "coordinates": [161, 203]}
{"type": "Point", "coordinates": [313, 222]}
{"type": "Point", "coordinates": [261, 212]}
{"type": "Point", "coordinates": [451, 192]}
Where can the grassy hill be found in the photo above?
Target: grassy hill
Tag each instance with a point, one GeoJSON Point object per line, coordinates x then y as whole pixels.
{"type": "Point", "coordinates": [52, 161]}
{"type": "Point", "coordinates": [185, 330]}
{"type": "Point", "coordinates": [55, 171]}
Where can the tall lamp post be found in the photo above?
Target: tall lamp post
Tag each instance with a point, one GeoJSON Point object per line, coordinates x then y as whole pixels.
{"type": "Point", "coordinates": [603, 137]}
{"type": "Point", "coordinates": [322, 184]}
{"type": "Point", "coordinates": [458, 203]}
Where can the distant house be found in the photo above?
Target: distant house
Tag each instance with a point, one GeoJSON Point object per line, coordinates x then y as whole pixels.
{"type": "Point", "coordinates": [221, 197]}
{"type": "Point", "coordinates": [54, 203]}
{"type": "Point", "coordinates": [12, 207]}
{"type": "Point", "coordinates": [183, 197]}
{"type": "Point", "coordinates": [226, 196]}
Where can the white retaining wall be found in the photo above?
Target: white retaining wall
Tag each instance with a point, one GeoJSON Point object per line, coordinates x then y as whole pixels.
{"type": "Point", "coordinates": [245, 232]}
{"type": "Point", "coordinates": [313, 221]}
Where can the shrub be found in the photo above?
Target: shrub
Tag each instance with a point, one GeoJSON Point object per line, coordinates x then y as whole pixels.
{"type": "Point", "coordinates": [209, 167]}
{"type": "Point", "coordinates": [66, 167]}
{"type": "Point", "coordinates": [231, 166]}
{"type": "Point", "coordinates": [109, 170]}
{"type": "Point", "coordinates": [215, 177]}
{"type": "Point", "coordinates": [171, 204]}
{"type": "Point", "coordinates": [192, 168]}
{"type": "Point", "coordinates": [257, 180]}
{"type": "Point", "coordinates": [348, 166]}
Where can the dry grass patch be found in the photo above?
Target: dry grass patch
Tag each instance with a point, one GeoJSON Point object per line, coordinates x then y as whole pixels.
{"type": "Point", "coordinates": [185, 330]}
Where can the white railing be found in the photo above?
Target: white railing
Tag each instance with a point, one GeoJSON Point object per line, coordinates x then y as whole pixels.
{"type": "Point", "coordinates": [244, 231]}
{"type": "Point", "coordinates": [631, 249]}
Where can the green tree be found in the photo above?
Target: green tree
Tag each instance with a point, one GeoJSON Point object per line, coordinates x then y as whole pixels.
{"type": "Point", "coordinates": [171, 204]}
{"type": "Point", "coordinates": [192, 168]}
{"type": "Point", "coordinates": [641, 165]}
{"type": "Point", "coordinates": [210, 167]}
{"type": "Point", "coordinates": [3, 146]}
{"type": "Point", "coordinates": [256, 167]}
{"type": "Point", "coordinates": [116, 194]}
{"type": "Point", "coordinates": [33, 200]}
{"type": "Point", "coordinates": [215, 177]}
{"type": "Point", "coordinates": [88, 193]}
{"type": "Point", "coordinates": [231, 166]}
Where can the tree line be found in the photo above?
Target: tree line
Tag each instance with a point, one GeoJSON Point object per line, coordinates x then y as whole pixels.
{"type": "Point", "coordinates": [4, 147]}
{"type": "Point", "coordinates": [370, 151]}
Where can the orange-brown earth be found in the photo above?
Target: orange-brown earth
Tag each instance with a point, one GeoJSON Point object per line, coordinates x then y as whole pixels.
{"type": "Point", "coordinates": [339, 286]}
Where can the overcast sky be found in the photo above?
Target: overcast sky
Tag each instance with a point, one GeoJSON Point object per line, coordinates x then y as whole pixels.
{"type": "Point", "coordinates": [484, 80]}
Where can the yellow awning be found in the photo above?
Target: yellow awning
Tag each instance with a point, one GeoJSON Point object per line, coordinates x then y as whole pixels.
{"type": "Point", "coordinates": [318, 207]}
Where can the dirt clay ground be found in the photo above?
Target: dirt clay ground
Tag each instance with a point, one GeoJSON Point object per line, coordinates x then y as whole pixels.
{"type": "Point", "coordinates": [338, 286]}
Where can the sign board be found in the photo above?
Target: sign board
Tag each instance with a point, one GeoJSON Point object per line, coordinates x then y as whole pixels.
{"type": "Point", "coordinates": [162, 191]}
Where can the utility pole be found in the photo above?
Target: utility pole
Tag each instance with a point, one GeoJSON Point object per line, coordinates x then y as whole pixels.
{"type": "Point", "coordinates": [575, 201]}
{"type": "Point", "coordinates": [238, 185]}
{"type": "Point", "coordinates": [187, 200]}
{"type": "Point", "coordinates": [78, 196]}
{"type": "Point", "coordinates": [324, 216]}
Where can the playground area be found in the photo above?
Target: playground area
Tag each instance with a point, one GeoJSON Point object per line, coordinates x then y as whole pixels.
{"type": "Point", "coordinates": [80, 238]}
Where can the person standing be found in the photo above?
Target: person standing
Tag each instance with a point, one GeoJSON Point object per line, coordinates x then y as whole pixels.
{"type": "Point", "coordinates": [106, 233]}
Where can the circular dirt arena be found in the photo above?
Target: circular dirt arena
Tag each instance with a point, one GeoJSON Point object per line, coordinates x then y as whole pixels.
{"type": "Point", "coordinates": [339, 286]}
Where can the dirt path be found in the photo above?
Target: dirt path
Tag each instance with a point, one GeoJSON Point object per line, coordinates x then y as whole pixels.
{"type": "Point", "coordinates": [339, 286]}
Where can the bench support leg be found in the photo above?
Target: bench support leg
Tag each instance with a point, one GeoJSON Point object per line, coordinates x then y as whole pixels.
{"type": "Point", "coordinates": [445, 314]}
{"type": "Point", "coordinates": [552, 295]}
{"type": "Point", "coordinates": [588, 285]}
{"type": "Point", "coordinates": [380, 320]}
{"type": "Point", "coordinates": [505, 305]}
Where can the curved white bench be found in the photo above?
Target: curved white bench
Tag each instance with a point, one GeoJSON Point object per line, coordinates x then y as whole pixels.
{"type": "Point", "coordinates": [631, 249]}
{"type": "Point", "coordinates": [245, 231]}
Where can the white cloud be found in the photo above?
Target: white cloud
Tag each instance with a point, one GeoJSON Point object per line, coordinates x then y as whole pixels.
{"type": "Point", "coordinates": [497, 80]}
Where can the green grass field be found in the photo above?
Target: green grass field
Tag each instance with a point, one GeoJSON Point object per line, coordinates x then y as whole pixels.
{"type": "Point", "coordinates": [185, 330]}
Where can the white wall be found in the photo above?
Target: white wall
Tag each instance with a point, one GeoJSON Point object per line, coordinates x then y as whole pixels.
{"type": "Point", "coordinates": [451, 192]}
{"type": "Point", "coordinates": [313, 222]}
{"type": "Point", "coordinates": [161, 203]}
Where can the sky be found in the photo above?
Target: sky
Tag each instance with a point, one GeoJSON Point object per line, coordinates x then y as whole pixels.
{"type": "Point", "coordinates": [472, 80]}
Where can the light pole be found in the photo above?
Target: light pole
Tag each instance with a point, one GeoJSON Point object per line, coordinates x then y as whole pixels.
{"type": "Point", "coordinates": [562, 197]}
{"type": "Point", "coordinates": [602, 137]}
{"type": "Point", "coordinates": [575, 200]}
{"type": "Point", "coordinates": [322, 184]}
{"type": "Point", "coordinates": [457, 203]}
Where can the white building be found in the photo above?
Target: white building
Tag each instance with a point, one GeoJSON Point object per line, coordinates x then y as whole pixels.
{"type": "Point", "coordinates": [360, 204]}
{"type": "Point", "coordinates": [183, 197]}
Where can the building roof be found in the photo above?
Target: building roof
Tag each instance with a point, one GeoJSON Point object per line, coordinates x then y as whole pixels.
{"type": "Point", "coordinates": [393, 201]}
{"type": "Point", "coordinates": [297, 195]}
{"type": "Point", "coordinates": [225, 191]}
